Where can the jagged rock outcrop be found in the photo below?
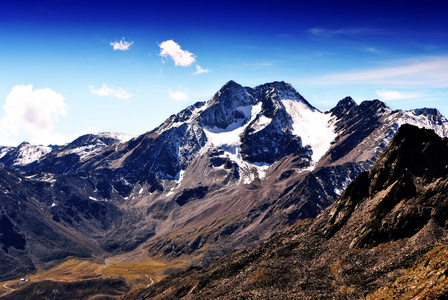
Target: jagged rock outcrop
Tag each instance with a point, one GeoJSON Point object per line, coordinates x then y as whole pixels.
{"type": "Point", "coordinates": [385, 237]}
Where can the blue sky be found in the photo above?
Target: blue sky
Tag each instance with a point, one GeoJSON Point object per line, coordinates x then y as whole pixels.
{"type": "Point", "coordinates": [72, 67]}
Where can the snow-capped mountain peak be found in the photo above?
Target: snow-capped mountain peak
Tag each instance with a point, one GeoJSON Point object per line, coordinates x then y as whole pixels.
{"type": "Point", "coordinates": [244, 165]}
{"type": "Point", "coordinates": [23, 154]}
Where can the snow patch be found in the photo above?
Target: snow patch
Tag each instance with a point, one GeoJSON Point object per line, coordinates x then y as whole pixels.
{"type": "Point", "coordinates": [4, 150]}
{"type": "Point", "coordinates": [229, 140]}
{"type": "Point", "coordinates": [180, 176]}
{"type": "Point", "coordinates": [230, 136]}
{"type": "Point", "coordinates": [314, 127]}
{"type": "Point", "coordinates": [93, 198]}
{"type": "Point", "coordinates": [30, 153]}
{"type": "Point", "coordinates": [261, 123]}
{"type": "Point", "coordinates": [422, 121]}
{"type": "Point", "coordinates": [121, 137]}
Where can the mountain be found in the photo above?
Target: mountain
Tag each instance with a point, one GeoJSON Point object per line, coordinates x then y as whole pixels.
{"type": "Point", "coordinates": [385, 237]}
{"type": "Point", "coordinates": [67, 158]}
{"type": "Point", "coordinates": [22, 155]}
{"type": "Point", "coordinates": [219, 176]}
{"type": "Point", "coordinates": [26, 156]}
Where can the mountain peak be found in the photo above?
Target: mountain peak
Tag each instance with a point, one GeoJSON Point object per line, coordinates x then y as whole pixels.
{"type": "Point", "coordinates": [231, 83]}
{"type": "Point", "coordinates": [232, 94]}
{"type": "Point", "coordinates": [279, 91]}
{"type": "Point", "coordinates": [431, 113]}
{"type": "Point", "coordinates": [343, 106]}
{"type": "Point", "coordinates": [346, 102]}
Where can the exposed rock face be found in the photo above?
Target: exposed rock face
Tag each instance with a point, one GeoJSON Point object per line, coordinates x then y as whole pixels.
{"type": "Point", "coordinates": [386, 236]}
{"type": "Point", "coordinates": [48, 217]}
{"type": "Point", "coordinates": [221, 175]}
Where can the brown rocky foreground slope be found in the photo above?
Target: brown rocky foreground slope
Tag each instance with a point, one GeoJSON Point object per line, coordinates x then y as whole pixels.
{"type": "Point", "coordinates": [387, 236]}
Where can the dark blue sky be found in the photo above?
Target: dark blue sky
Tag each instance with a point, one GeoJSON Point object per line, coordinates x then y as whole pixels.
{"type": "Point", "coordinates": [396, 51]}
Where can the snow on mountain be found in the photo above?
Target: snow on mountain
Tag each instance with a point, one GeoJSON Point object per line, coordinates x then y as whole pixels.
{"type": "Point", "coordinates": [428, 118]}
{"type": "Point", "coordinates": [121, 137]}
{"type": "Point", "coordinates": [229, 138]}
{"type": "Point", "coordinates": [88, 145]}
{"type": "Point", "coordinates": [314, 127]}
{"type": "Point", "coordinates": [23, 154]}
{"type": "Point", "coordinates": [244, 165]}
{"type": "Point", "coordinates": [4, 150]}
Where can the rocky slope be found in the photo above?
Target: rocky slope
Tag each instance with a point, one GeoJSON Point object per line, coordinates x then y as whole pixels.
{"type": "Point", "coordinates": [385, 237]}
{"type": "Point", "coordinates": [220, 176]}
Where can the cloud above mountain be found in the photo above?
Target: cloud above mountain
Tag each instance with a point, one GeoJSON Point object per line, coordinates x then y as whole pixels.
{"type": "Point", "coordinates": [121, 45]}
{"type": "Point", "coordinates": [200, 70]}
{"type": "Point", "coordinates": [396, 95]}
{"type": "Point", "coordinates": [429, 72]}
{"type": "Point", "coordinates": [178, 95]}
{"type": "Point", "coordinates": [104, 90]}
{"type": "Point", "coordinates": [32, 110]}
{"type": "Point", "coordinates": [173, 50]}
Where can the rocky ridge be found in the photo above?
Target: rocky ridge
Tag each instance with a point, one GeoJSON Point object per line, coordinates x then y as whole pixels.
{"type": "Point", "coordinates": [385, 237]}
{"type": "Point", "coordinates": [221, 175]}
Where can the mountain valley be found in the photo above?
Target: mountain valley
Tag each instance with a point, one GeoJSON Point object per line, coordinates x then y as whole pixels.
{"type": "Point", "coordinates": [220, 176]}
{"type": "Point", "coordinates": [385, 238]}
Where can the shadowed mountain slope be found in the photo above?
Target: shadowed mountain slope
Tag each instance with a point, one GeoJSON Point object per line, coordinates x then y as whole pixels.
{"type": "Point", "coordinates": [219, 176]}
{"type": "Point", "coordinates": [386, 236]}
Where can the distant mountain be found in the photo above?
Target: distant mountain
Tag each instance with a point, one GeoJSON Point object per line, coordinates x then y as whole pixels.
{"type": "Point", "coordinates": [67, 158]}
{"type": "Point", "coordinates": [219, 176]}
{"type": "Point", "coordinates": [22, 155]}
{"type": "Point", "coordinates": [386, 237]}
{"type": "Point", "coordinates": [26, 157]}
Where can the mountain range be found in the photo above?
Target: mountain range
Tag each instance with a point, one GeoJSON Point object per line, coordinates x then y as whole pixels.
{"type": "Point", "coordinates": [218, 177]}
{"type": "Point", "coordinates": [385, 238]}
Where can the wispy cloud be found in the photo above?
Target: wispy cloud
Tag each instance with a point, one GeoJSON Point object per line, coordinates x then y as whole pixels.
{"type": "Point", "coordinates": [178, 95]}
{"type": "Point", "coordinates": [355, 31]}
{"type": "Point", "coordinates": [246, 47]}
{"type": "Point", "coordinates": [388, 95]}
{"type": "Point", "coordinates": [262, 64]}
{"type": "Point", "coordinates": [173, 50]}
{"type": "Point", "coordinates": [200, 70]}
{"type": "Point", "coordinates": [121, 45]}
{"type": "Point", "coordinates": [429, 72]}
{"type": "Point", "coordinates": [110, 92]}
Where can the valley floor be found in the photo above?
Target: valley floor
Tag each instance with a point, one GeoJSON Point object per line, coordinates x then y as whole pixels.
{"type": "Point", "coordinates": [137, 269]}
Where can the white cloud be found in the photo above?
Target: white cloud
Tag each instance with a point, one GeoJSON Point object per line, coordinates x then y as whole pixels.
{"type": "Point", "coordinates": [121, 45]}
{"type": "Point", "coordinates": [200, 70]}
{"type": "Point", "coordinates": [396, 95]}
{"type": "Point", "coordinates": [429, 72]}
{"type": "Point", "coordinates": [32, 115]}
{"type": "Point", "coordinates": [33, 112]}
{"type": "Point", "coordinates": [110, 92]}
{"type": "Point", "coordinates": [178, 95]}
{"type": "Point", "coordinates": [180, 57]}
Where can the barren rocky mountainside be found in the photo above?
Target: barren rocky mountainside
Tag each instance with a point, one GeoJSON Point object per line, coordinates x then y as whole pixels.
{"type": "Point", "coordinates": [386, 237]}
{"type": "Point", "coordinates": [219, 176]}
